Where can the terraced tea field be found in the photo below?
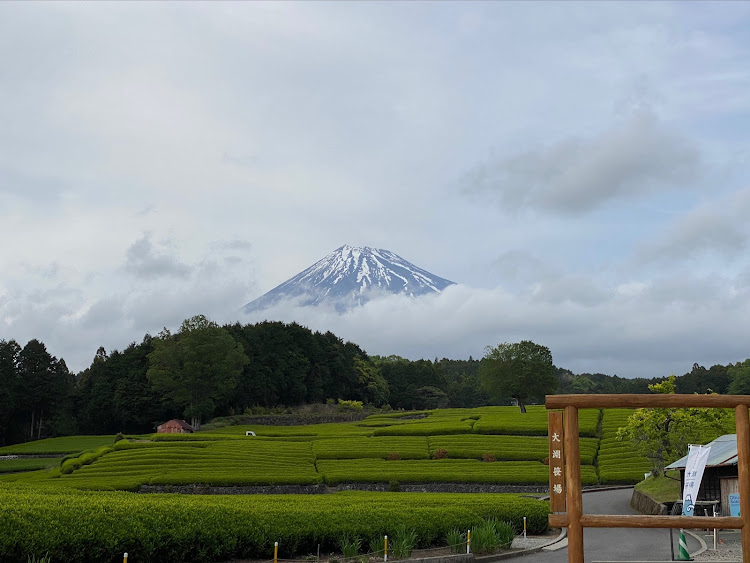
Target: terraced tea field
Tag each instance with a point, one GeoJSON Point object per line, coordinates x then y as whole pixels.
{"type": "Point", "coordinates": [496, 445]}
{"type": "Point", "coordinates": [84, 501]}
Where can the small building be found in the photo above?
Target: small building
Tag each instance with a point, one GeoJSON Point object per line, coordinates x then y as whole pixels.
{"type": "Point", "coordinates": [720, 476]}
{"type": "Point", "coordinates": [174, 426]}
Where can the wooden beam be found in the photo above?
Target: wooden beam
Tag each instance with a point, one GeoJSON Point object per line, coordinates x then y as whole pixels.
{"type": "Point", "coordinates": [646, 401]}
{"type": "Point", "coordinates": [647, 521]}
{"type": "Point", "coordinates": [640, 521]}
{"type": "Point", "coordinates": [742, 422]}
{"type": "Point", "coordinates": [558, 520]}
{"type": "Point", "coordinates": [573, 486]}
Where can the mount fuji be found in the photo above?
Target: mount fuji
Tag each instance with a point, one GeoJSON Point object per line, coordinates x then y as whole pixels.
{"type": "Point", "coordinates": [349, 276]}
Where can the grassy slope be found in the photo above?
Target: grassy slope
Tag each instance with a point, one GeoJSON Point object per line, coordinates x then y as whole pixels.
{"type": "Point", "coordinates": [662, 489]}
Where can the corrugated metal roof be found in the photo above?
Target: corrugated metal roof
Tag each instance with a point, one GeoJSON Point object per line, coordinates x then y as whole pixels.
{"type": "Point", "coordinates": [723, 452]}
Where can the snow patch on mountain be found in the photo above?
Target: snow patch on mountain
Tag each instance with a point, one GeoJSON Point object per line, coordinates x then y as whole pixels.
{"type": "Point", "coordinates": [351, 276]}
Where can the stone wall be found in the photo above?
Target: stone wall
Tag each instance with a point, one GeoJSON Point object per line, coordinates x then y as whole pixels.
{"type": "Point", "coordinates": [643, 503]}
{"type": "Point", "coordinates": [323, 489]}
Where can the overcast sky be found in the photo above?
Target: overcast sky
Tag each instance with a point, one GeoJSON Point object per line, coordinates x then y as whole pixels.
{"type": "Point", "coordinates": [581, 170]}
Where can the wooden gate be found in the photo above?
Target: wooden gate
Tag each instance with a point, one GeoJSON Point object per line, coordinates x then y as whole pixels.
{"type": "Point", "coordinates": [575, 520]}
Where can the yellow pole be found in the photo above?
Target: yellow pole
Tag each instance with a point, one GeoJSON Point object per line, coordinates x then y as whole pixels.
{"type": "Point", "coordinates": [468, 542]}
{"type": "Point", "coordinates": [385, 549]}
{"type": "Point", "coordinates": [275, 551]}
{"type": "Point", "coordinates": [125, 558]}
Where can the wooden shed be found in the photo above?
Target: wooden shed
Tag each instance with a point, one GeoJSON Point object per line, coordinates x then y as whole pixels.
{"type": "Point", "coordinates": [720, 475]}
{"type": "Point", "coordinates": [174, 426]}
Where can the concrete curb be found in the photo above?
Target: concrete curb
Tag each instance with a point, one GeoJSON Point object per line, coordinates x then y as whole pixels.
{"type": "Point", "coordinates": [700, 540]}
{"type": "Point", "coordinates": [522, 552]}
{"type": "Point", "coordinates": [462, 558]}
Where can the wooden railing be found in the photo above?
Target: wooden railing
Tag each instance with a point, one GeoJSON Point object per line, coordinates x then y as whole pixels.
{"type": "Point", "coordinates": [575, 520]}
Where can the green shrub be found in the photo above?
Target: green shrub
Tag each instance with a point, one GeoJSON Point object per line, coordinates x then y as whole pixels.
{"type": "Point", "coordinates": [350, 547]}
{"type": "Point", "coordinates": [350, 406]}
{"type": "Point", "coordinates": [491, 535]}
{"type": "Point", "coordinates": [377, 545]}
{"type": "Point", "coordinates": [506, 533]}
{"type": "Point", "coordinates": [404, 542]}
{"type": "Point", "coordinates": [456, 540]}
{"type": "Point", "coordinates": [394, 487]}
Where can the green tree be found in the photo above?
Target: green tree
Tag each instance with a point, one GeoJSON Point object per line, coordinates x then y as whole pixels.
{"type": "Point", "coordinates": [45, 380]}
{"type": "Point", "coordinates": [9, 386]}
{"type": "Point", "coordinates": [196, 367]}
{"type": "Point", "coordinates": [522, 370]}
{"type": "Point", "coordinates": [740, 374]}
{"type": "Point", "coordinates": [663, 435]}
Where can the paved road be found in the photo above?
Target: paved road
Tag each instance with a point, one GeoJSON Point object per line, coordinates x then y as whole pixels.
{"type": "Point", "coordinates": [615, 544]}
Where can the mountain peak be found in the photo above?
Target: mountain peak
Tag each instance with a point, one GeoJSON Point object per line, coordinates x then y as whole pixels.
{"type": "Point", "coordinates": [350, 276]}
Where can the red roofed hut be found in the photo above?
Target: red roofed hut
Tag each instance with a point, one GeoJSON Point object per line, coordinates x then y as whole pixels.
{"type": "Point", "coordinates": [174, 426]}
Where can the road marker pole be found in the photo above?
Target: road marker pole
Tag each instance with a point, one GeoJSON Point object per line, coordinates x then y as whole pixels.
{"type": "Point", "coordinates": [468, 542]}
{"type": "Point", "coordinates": [125, 557]}
{"type": "Point", "coordinates": [275, 551]}
{"type": "Point", "coordinates": [385, 549]}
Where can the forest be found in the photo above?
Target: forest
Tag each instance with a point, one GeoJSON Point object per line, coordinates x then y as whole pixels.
{"type": "Point", "coordinates": [205, 371]}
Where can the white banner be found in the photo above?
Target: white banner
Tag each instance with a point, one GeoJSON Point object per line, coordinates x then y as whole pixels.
{"type": "Point", "coordinates": [696, 463]}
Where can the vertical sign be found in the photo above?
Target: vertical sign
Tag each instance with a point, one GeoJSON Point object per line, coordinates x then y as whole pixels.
{"type": "Point", "coordinates": [556, 461]}
{"type": "Point", "coordinates": [696, 463]}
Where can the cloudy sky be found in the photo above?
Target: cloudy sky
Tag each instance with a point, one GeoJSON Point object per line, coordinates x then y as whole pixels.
{"type": "Point", "coordinates": [581, 170]}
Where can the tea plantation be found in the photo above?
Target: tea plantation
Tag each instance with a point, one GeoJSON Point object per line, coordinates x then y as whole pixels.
{"type": "Point", "coordinates": [82, 510]}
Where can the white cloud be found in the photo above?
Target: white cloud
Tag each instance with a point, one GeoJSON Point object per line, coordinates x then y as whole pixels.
{"type": "Point", "coordinates": [575, 176]}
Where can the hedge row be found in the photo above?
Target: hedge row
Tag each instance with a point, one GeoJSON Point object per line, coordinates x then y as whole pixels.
{"type": "Point", "coordinates": [64, 445]}
{"type": "Point", "coordinates": [508, 420]}
{"type": "Point", "coordinates": [506, 448]}
{"type": "Point", "coordinates": [407, 447]}
{"type": "Point", "coordinates": [100, 527]}
{"type": "Point", "coordinates": [30, 464]}
{"type": "Point", "coordinates": [441, 471]}
{"type": "Point", "coordinates": [618, 461]}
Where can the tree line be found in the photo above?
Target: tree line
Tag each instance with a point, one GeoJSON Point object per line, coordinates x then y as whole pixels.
{"type": "Point", "coordinates": [204, 370]}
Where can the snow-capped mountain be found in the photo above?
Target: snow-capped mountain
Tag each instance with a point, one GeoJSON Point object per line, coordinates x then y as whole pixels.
{"type": "Point", "coordinates": [350, 276]}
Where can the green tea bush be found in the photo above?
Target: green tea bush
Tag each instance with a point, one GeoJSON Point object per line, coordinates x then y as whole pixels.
{"type": "Point", "coordinates": [30, 464]}
{"type": "Point", "coordinates": [408, 447]}
{"type": "Point", "coordinates": [441, 471]}
{"type": "Point", "coordinates": [617, 461]}
{"type": "Point", "coordinates": [505, 448]}
{"type": "Point", "coordinates": [63, 445]}
{"type": "Point", "coordinates": [90, 527]}
{"type": "Point", "coordinates": [508, 420]}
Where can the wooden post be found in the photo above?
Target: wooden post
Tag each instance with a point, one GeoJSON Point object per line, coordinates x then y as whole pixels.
{"type": "Point", "coordinates": [573, 482]}
{"type": "Point", "coordinates": [743, 473]}
{"type": "Point", "coordinates": [556, 437]}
